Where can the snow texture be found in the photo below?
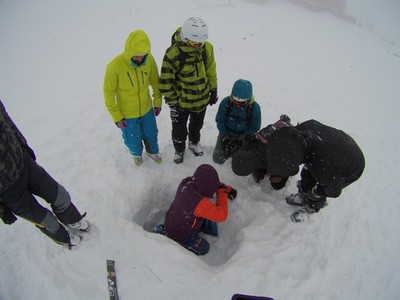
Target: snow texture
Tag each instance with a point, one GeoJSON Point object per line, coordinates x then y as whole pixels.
{"type": "Point", "coordinates": [308, 60]}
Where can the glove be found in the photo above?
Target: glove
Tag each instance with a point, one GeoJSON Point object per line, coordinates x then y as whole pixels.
{"type": "Point", "coordinates": [30, 152]}
{"type": "Point", "coordinates": [232, 193]}
{"type": "Point", "coordinates": [213, 97]}
{"type": "Point", "coordinates": [7, 215]}
{"type": "Point", "coordinates": [230, 145]}
{"type": "Point", "coordinates": [121, 124]}
{"type": "Point", "coordinates": [157, 111]}
{"type": "Point", "coordinates": [175, 110]}
{"type": "Point", "coordinates": [284, 118]}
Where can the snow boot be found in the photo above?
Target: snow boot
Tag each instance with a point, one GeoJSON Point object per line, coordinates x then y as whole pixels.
{"type": "Point", "coordinates": [160, 228]}
{"type": "Point", "coordinates": [300, 216]}
{"type": "Point", "coordinates": [74, 239]}
{"type": "Point", "coordinates": [82, 225]}
{"type": "Point", "coordinates": [156, 157]}
{"type": "Point", "coordinates": [298, 199]}
{"type": "Point", "coordinates": [198, 245]}
{"type": "Point", "coordinates": [178, 159]}
{"type": "Point", "coordinates": [197, 149]}
{"type": "Point", "coordinates": [137, 160]}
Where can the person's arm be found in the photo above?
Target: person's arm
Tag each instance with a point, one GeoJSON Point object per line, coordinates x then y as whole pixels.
{"type": "Point", "coordinates": [154, 82]}
{"type": "Point", "coordinates": [109, 90]}
{"type": "Point", "coordinates": [214, 212]}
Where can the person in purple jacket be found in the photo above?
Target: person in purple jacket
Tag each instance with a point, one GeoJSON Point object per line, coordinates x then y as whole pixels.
{"type": "Point", "coordinates": [193, 211]}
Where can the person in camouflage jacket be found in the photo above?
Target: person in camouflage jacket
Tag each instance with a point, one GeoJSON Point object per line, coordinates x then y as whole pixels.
{"type": "Point", "coordinates": [21, 178]}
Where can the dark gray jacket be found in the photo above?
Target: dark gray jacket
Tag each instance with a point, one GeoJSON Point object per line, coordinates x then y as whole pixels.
{"type": "Point", "coordinates": [12, 145]}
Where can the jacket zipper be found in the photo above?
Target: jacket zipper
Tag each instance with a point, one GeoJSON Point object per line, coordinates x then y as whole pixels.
{"type": "Point", "coordinates": [137, 78]}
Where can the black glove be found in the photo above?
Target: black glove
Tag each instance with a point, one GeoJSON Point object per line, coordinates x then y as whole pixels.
{"type": "Point", "coordinates": [213, 97]}
{"type": "Point", "coordinates": [232, 194]}
{"type": "Point", "coordinates": [284, 118]}
{"type": "Point", "coordinates": [230, 145]}
{"type": "Point", "coordinates": [6, 215]}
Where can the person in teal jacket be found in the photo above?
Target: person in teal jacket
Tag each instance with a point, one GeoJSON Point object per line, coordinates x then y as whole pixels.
{"type": "Point", "coordinates": [238, 115]}
{"type": "Point", "coordinates": [127, 96]}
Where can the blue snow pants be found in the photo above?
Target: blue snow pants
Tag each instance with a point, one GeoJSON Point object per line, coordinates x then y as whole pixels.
{"type": "Point", "coordinates": [139, 131]}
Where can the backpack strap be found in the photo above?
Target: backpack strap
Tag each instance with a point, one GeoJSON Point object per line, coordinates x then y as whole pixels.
{"type": "Point", "coordinates": [183, 56]}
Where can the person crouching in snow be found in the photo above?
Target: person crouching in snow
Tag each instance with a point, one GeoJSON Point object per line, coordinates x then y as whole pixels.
{"type": "Point", "coordinates": [127, 96]}
{"type": "Point", "coordinates": [193, 211]}
{"type": "Point", "coordinates": [252, 157]}
{"type": "Point", "coordinates": [238, 115]}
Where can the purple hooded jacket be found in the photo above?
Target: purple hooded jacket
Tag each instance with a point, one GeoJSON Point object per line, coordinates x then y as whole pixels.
{"type": "Point", "coordinates": [180, 222]}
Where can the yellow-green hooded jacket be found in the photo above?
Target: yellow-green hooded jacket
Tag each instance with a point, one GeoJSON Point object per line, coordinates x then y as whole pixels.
{"type": "Point", "coordinates": [126, 87]}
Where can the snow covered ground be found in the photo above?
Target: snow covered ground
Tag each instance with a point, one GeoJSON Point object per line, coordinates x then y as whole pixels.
{"type": "Point", "coordinates": [305, 62]}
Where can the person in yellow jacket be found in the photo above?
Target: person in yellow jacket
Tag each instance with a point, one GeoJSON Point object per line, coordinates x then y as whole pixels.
{"type": "Point", "coordinates": [127, 96]}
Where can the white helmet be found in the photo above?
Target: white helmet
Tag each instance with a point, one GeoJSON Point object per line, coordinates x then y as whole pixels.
{"type": "Point", "coordinates": [195, 29]}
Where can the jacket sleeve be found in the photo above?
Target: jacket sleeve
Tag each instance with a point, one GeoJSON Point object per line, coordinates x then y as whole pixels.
{"type": "Point", "coordinates": [109, 90]}
{"type": "Point", "coordinates": [255, 124]}
{"type": "Point", "coordinates": [21, 139]}
{"type": "Point", "coordinates": [211, 67]}
{"type": "Point", "coordinates": [154, 82]}
{"type": "Point", "coordinates": [167, 81]}
{"type": "Point", "coordinates": [221, 116]}
{"type": "Point", "coordinates": [214, 212]}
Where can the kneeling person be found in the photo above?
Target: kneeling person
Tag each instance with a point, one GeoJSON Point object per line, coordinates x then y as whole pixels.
{"type": "Point", "coordinates": [193, 211]}
{"type": "Point", "coordinates": [238, 115]}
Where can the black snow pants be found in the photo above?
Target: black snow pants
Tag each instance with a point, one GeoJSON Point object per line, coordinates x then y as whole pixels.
{"type": "Point", "coordinates": [20, 199]}
{"type": "Point", "coordinates": [180, 128]}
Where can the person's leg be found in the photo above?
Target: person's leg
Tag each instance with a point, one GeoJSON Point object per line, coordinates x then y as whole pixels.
{"type": "Point", "coordinates": [40, 183]}
{"type": "Point", "coordinates": [218, 154]}
{"type": "Point", "coordinates": [197, 245]}
{"type": "Point", "coordinates": [307, 181]}
{"type": "Point", "coordinates": [150, 132]}
{"type": "Point", "coordinates": [132, 136]}
{"type": "Point", "coordinates": [209, 227]}
{"type": "Point", "coordinates": [179, 130]}
{"type": "Point", "coordinates": [23, 204]}
{"type": "Point", "coordinates": [195, 125]}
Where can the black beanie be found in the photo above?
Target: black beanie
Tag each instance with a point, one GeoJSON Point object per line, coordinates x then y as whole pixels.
{"type": "Point", "coordinates": [286, 149]}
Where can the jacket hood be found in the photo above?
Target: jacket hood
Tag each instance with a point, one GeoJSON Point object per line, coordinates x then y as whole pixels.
{"type": "Point", "coordinates": [136, 44]}
{"type": "Point", "coordinates": [206, 180]}
{"type": "Point", "coordinates": [242, 89]}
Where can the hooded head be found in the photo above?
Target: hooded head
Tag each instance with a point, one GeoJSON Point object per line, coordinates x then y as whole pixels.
{"type": "Point", "coordinates": [206, 180]}
{"type": "Point", "coordinates": [286, 150]}
{"type": "Point", "coordinates": [137, 44]}
{"type": "Point", "coordinates": [242, 90]}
